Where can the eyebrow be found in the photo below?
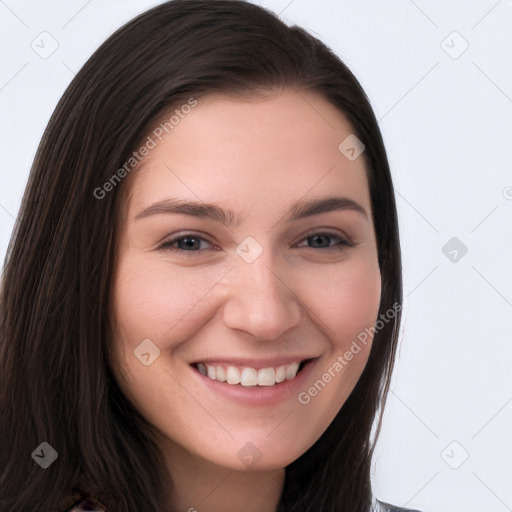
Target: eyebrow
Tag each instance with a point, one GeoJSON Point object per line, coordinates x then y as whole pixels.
{"type": "Point", "coordinates": [299, 210]}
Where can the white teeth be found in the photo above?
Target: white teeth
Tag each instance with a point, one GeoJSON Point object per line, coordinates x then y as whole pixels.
{"type": "Point", "coordinates": [221, 374]}
{"type": "Point", "coordinates": [232, 375]}
{"type": "Point", "coordinates": [266, 377]}
{"type": "Point", "coordinates": [291, 370]}
{"type": "Point", "coordinates": [211, 372]}
{"type": "Point", "coordinates": [248, 376]}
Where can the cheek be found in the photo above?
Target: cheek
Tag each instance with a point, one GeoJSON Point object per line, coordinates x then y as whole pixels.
{"type": "Point", "coordinates": [154, 301]}
{"type": "Point", "coordinates": [346, 299]}
{"type": "Point", "coordinates": [151, 303]}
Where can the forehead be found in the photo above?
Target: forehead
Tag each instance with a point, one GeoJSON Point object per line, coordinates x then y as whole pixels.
{"type": "Point", "coordinates": [252, 154]}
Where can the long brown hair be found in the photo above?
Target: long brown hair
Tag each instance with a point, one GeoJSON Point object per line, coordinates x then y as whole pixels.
{"type": "Point", "coordinates": [57, 385]}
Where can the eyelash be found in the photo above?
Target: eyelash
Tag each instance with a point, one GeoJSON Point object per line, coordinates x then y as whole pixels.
{"type": "Point", "coordinates": [167, 245]}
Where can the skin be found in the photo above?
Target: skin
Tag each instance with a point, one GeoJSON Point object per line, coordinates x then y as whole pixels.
{"type": "Point", "coordinates": [255, 156]}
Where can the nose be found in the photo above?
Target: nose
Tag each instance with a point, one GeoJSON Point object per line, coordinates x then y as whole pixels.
{"type": "Point", "coordinates": [262, 301]}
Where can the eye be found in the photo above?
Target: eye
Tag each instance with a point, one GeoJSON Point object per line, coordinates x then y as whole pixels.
{"type": "Point", "coordinates": [189, 243]}
{"type": "Point", "coordinates": [186, 244]}
{"type": "Point", "coordinates": [322, 240]}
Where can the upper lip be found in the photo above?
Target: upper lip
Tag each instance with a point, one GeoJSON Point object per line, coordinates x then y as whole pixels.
{"type": "Point", "coordinates": [255, 363]}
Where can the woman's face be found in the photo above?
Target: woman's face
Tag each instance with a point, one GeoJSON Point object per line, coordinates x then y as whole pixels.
{"type": "Point", "coordinates": [232, 262]}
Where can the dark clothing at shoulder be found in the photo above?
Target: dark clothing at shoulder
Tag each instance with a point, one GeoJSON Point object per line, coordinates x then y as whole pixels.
{"type": "Point", "coordinates": [387, 507]}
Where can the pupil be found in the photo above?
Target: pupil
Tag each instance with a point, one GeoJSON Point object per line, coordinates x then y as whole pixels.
{"type": "Point", "coordinates": [186, 241]}
{"type": "Point", "coordinates": [320, 237]}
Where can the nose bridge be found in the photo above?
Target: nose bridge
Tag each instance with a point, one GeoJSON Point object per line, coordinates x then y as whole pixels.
{"type": "Point", "coordinates": [261, 300]}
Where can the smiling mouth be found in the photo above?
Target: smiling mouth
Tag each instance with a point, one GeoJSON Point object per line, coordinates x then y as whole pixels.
{"type": "Point", "coordinates": [247, 376]}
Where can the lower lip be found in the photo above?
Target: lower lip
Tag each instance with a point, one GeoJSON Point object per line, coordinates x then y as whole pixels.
{"type": "Point", "coordinates": [259, 395]}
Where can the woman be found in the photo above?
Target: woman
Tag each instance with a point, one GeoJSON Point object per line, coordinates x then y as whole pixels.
{"type": "Point", "coordinates": [201, 300]}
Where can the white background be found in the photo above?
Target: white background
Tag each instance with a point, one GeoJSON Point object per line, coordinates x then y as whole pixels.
{"type": "Point", "coordinates": [447, 126]}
